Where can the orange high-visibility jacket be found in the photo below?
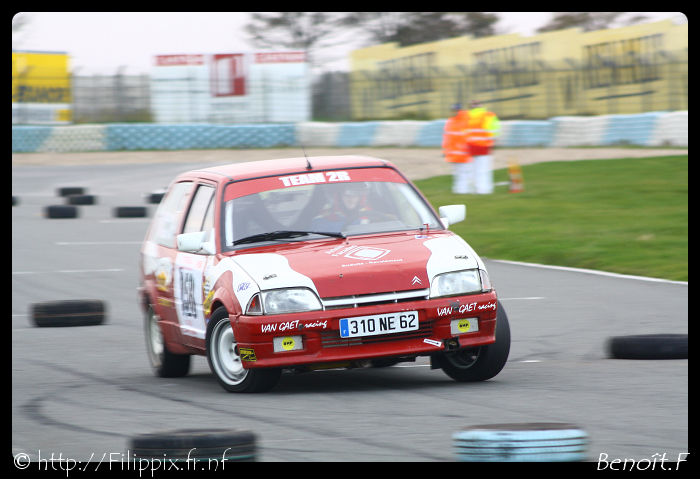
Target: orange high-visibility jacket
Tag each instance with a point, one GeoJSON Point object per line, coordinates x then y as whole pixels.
{"type": "Point", "coordinates": [454, 144]}
{"type": "Point", "coordinates": [483, 125]}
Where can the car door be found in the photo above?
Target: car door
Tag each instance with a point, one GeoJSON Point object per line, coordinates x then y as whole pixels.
{"type": "Point", "coordinates": [163, 248]}
{"type": "Point", "coordinates": [189, 287]}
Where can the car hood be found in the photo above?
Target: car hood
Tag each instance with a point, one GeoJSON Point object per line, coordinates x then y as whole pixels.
{"type": "Point", "coordinates": [359, 265]}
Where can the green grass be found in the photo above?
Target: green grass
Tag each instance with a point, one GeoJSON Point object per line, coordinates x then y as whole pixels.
{"type": "Point", "coordinates": [626, 216]}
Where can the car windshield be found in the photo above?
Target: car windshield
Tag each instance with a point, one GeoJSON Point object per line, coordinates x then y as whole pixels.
{"type": "Point", "coordinates": [312, 211]}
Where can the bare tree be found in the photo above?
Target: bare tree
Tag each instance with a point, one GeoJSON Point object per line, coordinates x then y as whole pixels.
{"type": "Point", "coordinates": [19, 22]}
{"type": "Point", "coordinates": [410, 28]}
{"type": "Point", "coordinates": [589, 21]}
{"type": "Point", "coordinates": [310, 31]}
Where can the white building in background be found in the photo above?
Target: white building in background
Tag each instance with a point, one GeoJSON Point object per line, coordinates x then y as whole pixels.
{"type": "Point", "coordinates": [252, 87]}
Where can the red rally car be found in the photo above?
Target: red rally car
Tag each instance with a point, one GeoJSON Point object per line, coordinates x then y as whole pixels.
{"type": "Point", "coordinates": [304, 264]}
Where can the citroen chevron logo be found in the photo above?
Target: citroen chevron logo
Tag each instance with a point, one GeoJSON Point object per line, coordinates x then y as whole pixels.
{"type": "Point", "coordinates": [416, 280]}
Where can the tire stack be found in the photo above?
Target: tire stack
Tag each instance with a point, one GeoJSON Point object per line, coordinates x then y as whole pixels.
{"type": "Point", "coordinates": [68, 313]}
{"type": "Point", "coordinates": [195, 445]}
{"type": "Point", "coordinates": [529, 442]}
{"type": "Point", "coordinates": [649, 346]}
{"type": "Point", "coordinates": [74, 196]}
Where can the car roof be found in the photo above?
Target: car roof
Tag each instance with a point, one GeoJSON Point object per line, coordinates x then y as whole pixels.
{"type": "Point", "coordinates": [257, 169]}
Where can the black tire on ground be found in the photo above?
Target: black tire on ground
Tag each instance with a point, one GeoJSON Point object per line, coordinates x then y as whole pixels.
{"type": "Point", "coordinates": [130, 211]}
{"type": "Point", "coordinates": [156, 197]}
{"type": "Point", "coordinates": [226, 363]}
{"type": "Point", "coordinates": [61, 211]}
{"type": "Point", "coordinates": [482, 363]}
{"type": "Point", "coordinates": [222, 445]}
{"type": "Point", "coordinates": [15, 201]}
{"type": "Point", "coordinates": [81, 199]}
{"type": "Point", "coordinates": [528, 442]}
{"type": "Point", "coordinates": [649, 346]}
{"type": "Point", "coordinates": [67, 191]}
{"type": "Point", "coordinates": [164, 363]}
{"type": "Point", "coordinates": [68, 313]}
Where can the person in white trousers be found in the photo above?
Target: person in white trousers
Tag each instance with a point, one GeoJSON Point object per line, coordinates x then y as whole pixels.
{"type": "Point", "coordinates": [456, 151]}
{"type": "Point", "coordinates": [483, 127]}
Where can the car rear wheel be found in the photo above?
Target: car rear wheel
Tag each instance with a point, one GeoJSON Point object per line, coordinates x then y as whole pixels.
{"type": "Point", "coordinates": [164, 363]}
{"type": "Point", "coordinates": [485, 362]}
{"type": "Point", "coordinates": [226, 363]}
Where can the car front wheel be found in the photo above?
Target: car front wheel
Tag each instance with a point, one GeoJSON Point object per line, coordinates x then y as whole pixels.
{"type": "Point", "coordinates": [225, 361]}
{"type": "Point", "coordinates": [482, 363]}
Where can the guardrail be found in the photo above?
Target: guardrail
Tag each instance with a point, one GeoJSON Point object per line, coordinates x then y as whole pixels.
{"type": "Point", "coordinates": [645, 129]}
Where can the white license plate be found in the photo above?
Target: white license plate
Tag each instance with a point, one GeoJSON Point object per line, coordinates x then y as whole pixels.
{"type": "Point", "coordinates": [379, 324]}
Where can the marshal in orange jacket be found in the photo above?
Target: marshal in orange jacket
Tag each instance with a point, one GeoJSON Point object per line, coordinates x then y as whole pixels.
{"type": "Point", "coordinates": [454, 141]}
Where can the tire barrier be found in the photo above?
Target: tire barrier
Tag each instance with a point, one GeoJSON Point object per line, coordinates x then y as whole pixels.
{"type": "Point", "coordinates": [649, 346]}
{"type": "Point", "coordinates": [527, 442]}
{"type": "Point", "coordinates": [130, 212]}
{"type": "Point", "coordinates": [234, 445]}
{"type": "Point", "coordinates": [156, 196]}
{"type": "Point", "coordinates": [81, 199]}
{"type": "Point", "coordinates": [645, 129]}
{"type": "Point", "coordinates": [70, 190]}
{"type": "Point", "coordinates": [61, 211]}
{"type": "Point", "coordinates": [68, 313]}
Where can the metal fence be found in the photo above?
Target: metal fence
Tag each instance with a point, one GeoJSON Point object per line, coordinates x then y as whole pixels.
{"type": "Point", "coordinates": [111, 98]}
{"type": "Point", "coordinates": [537, 90]}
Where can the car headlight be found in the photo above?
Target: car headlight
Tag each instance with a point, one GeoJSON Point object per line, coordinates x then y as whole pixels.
{"type": "Point", "coordinates": [460, 282]}
{"type": "Point", "coordinates": [291, 300]}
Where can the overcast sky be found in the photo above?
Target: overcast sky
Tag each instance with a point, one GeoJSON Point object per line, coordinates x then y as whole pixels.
{"type": "Point", "coordinates": [103, 42]}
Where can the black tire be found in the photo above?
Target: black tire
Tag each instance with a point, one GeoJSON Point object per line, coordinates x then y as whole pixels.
{"type": "Point", "coordinates": [226, 364]}
{"type": "Point", "coordinates": [649, 346]}
{"type": "Point", "coordinates": [529, 442]}
{"type": "Point", "coordinates": [164, 363]}
{"type": "Point", "coordinates": [156, 197]}
{"type": "Point", "coordinates": [68, 313]}
{"type": "Point", "coordinates": [482, 363]}
{"type": "Point", "coordinates": [81, 199]}
{"type": "Point", "coordinates": [130, 211]}
{"type": "Point", "coordinates": [67, 191]}
{"type": "Point", "coordinates": [61, 211]}
{"type": "Point", "coordinates": [222, 445]}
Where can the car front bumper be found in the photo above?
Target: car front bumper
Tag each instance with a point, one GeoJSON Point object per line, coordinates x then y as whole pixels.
{"type": "Point", "coordinates": [317, 341]}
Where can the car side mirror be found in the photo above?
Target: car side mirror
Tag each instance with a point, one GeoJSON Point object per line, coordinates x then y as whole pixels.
{"type": "Point", "coordinates": [452, 214]}
{"type": "Point", "coordinates": [194, 242]}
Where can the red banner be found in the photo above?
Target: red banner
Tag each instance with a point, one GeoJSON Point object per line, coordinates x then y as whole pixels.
{"type": "Point", "coordinates": [228, 74]}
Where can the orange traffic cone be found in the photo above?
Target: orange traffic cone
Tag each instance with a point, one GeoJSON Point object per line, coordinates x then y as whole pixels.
{"type": "Point", "coordinates": [516, 177]}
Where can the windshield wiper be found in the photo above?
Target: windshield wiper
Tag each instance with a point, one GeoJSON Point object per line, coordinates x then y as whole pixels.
{"type": "Point", "coordinates": [273, 235]}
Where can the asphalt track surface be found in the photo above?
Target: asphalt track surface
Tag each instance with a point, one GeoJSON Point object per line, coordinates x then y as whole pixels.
{"type": "Point", "coordinates": [82, 392]}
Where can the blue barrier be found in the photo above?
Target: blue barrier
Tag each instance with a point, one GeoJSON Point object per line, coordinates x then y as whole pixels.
{"type": "Point", "coordinates": [192, 137]}
{"type": "Point", "coordinates": [642, 129]}
{"type": "Point", "coordinates": [529, 133]}
{"type": "Point", "coordinates": [431, 133]}
{"type": "Point", "coordinates": [27, 139]}
{"type": "Point", "coordinates": [356, 134]}
{"type": "Point", "coordinates": [631, 129]}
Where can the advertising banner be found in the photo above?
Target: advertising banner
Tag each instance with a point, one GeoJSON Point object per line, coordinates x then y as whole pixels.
{"type": "Point", "coordinates": [41, 88]}
{"type": "Point", "coordinates": [247, 87]}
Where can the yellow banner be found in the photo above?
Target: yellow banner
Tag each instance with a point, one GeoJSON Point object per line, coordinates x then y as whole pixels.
{"type": "Point", "coordinates": [40, 78]}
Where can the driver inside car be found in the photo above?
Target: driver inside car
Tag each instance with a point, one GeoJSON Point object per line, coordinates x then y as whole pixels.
{"type": "Point", "coordinates": [349, 206]}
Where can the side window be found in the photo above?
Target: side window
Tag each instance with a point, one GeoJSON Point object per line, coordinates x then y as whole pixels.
{"type": "Point", "coordinates": [201, 211]}
{"type": "Point", "coordinates": [167, 217]}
